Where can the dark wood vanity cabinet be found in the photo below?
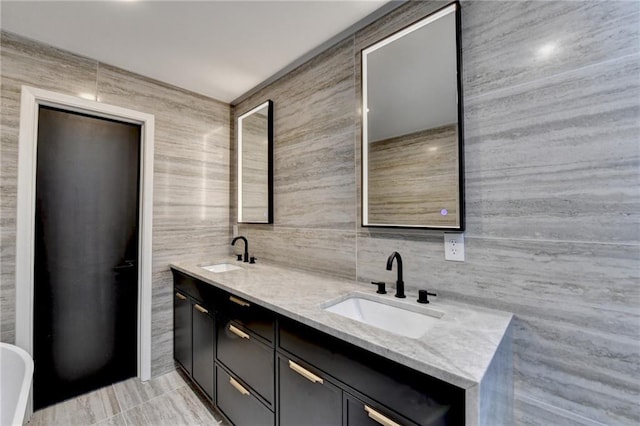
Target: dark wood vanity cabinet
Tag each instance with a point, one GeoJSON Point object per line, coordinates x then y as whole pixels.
{"type": "Point", "coordinates": [259, 368]}
{"type": "Point", "coordinates": [390, 390]}
{"type": "Point", "coordinates": [193, 340]}
{"type": "Point", "coordinates": [194, 330]}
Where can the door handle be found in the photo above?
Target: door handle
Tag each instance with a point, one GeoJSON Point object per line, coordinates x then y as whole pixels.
{"type": "Point", "coordinates": [238, 386]}
{"type": "Point", "coordinates": [235, 330]}
{"type": "Point", "coordinates": [127, 264]}
{"type": "Point", "coordinates": [379, 418]}
{"type": "Point", "coordinates": [305, 373]}
{"type": "Point", "coordinates": [181, 297]}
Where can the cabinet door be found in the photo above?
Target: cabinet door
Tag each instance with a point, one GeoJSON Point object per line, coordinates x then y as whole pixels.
{"type": "Point", "coordinates": [182, 330]}
{"type": "Point", "coordinates": [203, 333]}
{"type": "Point", "coordinates": [305, 397]}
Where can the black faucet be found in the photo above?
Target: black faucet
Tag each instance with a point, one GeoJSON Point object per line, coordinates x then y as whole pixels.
{"type": "Point", "coordinates": [246, 246]}
{"type": "Point", "coordinates": [399, 282]}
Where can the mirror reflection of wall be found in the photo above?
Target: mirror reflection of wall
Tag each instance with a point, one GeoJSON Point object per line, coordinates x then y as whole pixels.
{"type": "Point", "coordinates": [255, 136]}
{"type": "Point", "coordinates": [413, 177]}
{"type": "Point", "coordinates": [411, 135]}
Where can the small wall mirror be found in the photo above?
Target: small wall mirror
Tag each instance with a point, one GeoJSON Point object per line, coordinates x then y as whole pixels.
{"type": "Point", "coordinates": [412, 157]}
{"type": "Point", "coordinates": [255, 165]}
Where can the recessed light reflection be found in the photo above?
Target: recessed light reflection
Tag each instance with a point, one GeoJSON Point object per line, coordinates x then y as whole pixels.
{"type": "Point", "coordinates": [433, 148]}
{"type": "Point", "coordinates": [546, 50]}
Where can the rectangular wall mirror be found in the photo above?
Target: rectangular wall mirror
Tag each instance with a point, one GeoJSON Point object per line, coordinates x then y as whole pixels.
{"type": "Point", "coordinates": [412, 157]}
{"type": "Point", "coordinates": [255, 165]}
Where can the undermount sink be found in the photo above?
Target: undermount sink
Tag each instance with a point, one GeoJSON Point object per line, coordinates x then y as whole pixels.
{"type": "Point", "coordinates": [389, 315]}
{"type": "Point", "coordinates": [221, 267]}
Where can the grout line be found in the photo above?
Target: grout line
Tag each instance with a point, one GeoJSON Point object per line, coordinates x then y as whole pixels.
{"type": "Point", "coordinates": [115, 392]}
{"type": "Point", "coordinates": [161, 395]}
{"type": "Point", "coordinates": [419, 233]}
{"type": "Point", "coordinates": [105, 419]}
{"type": "Point", "coordinates": [544, 240]}
{"type": "Point", "coordinates": [549, 77]}
{"type": "Point", "coordinates": [147, 401]}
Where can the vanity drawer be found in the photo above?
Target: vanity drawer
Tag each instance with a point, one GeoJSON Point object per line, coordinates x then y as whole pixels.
{"type": "Point", "coordinates": [245, 356]}
{"type": "Point", "coordinates": [238, 404]}
{"type": "Point", "coordinates": [185, 283]}
{"type": "Point", "coordinates": [366, 413]}
{"type": "Point", "coordinates": [414, 395]}
{"type": "Point", "coordinates": [251, 316]}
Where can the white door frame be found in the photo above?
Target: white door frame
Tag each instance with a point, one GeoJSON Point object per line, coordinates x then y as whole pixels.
{"type": "Point", "coordinates": [31, 100]}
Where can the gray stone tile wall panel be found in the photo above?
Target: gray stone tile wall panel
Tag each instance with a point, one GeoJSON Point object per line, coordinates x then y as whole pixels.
{"type": "Point", "coordinates": [552, 197]}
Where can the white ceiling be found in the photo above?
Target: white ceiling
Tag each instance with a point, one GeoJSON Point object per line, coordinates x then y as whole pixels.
{"type": "Point", "coordinates": [220, 49]}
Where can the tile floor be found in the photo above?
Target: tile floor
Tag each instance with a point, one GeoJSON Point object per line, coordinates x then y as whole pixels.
{"type": "Point", "coordinates": [166, 400]}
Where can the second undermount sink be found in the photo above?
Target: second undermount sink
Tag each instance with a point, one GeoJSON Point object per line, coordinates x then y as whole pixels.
{"type": "Point", "coordinates": [221, 267]}
{"type": "Point", "coordinates": [389, 315]}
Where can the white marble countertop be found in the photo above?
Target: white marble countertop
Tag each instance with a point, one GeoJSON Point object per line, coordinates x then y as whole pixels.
{"type": "Point", "coordinates": [458, 350]}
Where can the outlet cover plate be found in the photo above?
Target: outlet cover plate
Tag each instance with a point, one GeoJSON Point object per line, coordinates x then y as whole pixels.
{"type": "Point", "coordinates": [454, 246]}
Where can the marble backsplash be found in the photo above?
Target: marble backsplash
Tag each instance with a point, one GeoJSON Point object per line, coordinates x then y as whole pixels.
{"type": "Point", "coordinates": [552, 171]}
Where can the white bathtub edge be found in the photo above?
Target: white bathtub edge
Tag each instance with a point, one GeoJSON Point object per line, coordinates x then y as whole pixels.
{"type": "Point", "coordinates": [25, 387]}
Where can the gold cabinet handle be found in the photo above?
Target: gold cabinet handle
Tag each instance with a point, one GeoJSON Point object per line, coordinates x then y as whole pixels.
{"type": "Point", "coordinates": [201, 309]}
{"type": "Point", "coordinates": [181, 297]}
{"type": "Point", "coordinates": [235, 330]}
{"type": "Point", "coordinates": [239, 301]}
{"type": "Point", "coordinates": [238, 386]}
{"type": "Point", "coordinates": [379, 418]}
{"type": "Point", "coordinates": [305, 373]}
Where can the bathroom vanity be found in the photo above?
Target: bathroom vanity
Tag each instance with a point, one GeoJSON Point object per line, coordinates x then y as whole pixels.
{"type": "Point", "coordinates": [261, 344]}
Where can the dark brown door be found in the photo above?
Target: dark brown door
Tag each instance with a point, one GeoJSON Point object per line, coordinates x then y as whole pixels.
{"type": "Point", "coordinates": [86, 254]}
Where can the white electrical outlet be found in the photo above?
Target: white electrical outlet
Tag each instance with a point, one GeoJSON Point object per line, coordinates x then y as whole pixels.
{"type": "Point", "coordinates": [235, 231]}
{"type": "Point", "coordinates": [454, 247]}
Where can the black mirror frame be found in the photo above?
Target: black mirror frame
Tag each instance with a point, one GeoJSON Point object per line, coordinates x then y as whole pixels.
{"type": "Point", "coordinates": [461, 192]}
{"type": "Point", "coordinates": [269, 220]}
